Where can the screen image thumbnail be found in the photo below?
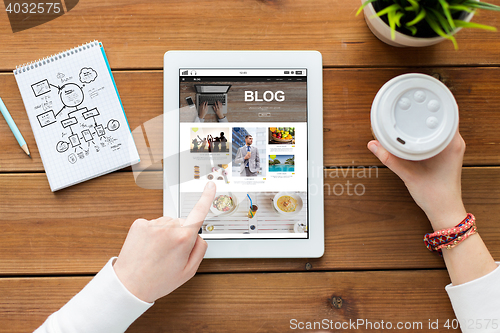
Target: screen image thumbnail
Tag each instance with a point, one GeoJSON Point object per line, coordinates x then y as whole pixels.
{"type": "Point", "coordinates": [209, 140]}
{"type": "Point", "coordinates": [249, 151]}
{"type": "Point", "coordinates": [281, 135]}
{"type": "Point", "coordinates": [252, 214]}
{"type": "Point", "coordinates": [281, 163]}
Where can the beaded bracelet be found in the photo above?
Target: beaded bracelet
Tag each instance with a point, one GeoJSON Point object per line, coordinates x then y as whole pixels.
{"type": "Point", "coordinates": [457, 241]}
{"type": "Point", "coordinates": [452, 236]}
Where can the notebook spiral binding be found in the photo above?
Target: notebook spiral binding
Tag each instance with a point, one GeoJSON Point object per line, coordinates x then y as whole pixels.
{"type": "Point", "coordinates": [55, 57]}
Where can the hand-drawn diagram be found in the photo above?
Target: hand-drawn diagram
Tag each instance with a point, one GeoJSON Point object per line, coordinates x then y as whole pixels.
{"type": "Point", "coordinates": [72, 158]}
{"type": "Point", "coordinates": [81, 124]}
{"type": "Point", "coordinates": [87, 75]}
{"type": "Point", "coordinates": [62, 146]}
{"type": "Point", "coordinates": [41, 88]}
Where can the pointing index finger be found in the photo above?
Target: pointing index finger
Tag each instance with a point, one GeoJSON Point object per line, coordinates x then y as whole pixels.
{"type": "Point", "coordinates": [202, 207]}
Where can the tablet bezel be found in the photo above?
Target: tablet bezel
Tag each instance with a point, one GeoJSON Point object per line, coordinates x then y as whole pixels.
{"type": "Point", "coordinates": [313, 246]}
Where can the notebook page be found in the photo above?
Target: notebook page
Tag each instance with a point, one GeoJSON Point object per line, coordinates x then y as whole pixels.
{"type": "Point", "coordinates": [76, 116]}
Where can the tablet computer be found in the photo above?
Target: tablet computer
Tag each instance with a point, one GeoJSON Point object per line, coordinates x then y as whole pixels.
{"type": "Point", "coordinates": [251, 122]}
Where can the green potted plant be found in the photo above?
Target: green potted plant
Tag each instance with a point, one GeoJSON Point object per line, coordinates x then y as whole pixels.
{"type": "Point", "coordinates": [421, 22]}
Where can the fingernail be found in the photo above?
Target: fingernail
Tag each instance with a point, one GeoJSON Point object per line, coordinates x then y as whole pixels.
{"type": "Point", "coordinates": [373, 147]}
{"type": "Point", "coordinates": [210, 186]}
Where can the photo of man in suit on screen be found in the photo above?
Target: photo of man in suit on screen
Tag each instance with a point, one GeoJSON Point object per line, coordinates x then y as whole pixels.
{"type": "Point", "coordinates": [248, 158]}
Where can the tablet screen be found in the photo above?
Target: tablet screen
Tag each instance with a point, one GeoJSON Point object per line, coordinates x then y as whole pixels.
{"type": "Point", "coordinates": [245, 130]}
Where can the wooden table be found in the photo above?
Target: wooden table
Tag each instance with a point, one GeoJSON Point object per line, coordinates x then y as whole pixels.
{"type": "Point", "coordinates": [375, 265]}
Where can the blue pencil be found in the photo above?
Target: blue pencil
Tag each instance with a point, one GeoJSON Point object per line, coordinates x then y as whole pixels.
{"type": "Point", "coordinates": [13, 128]}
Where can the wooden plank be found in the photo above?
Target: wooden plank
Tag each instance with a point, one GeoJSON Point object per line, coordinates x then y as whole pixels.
{"type": "Point", "coordinates": [370, 223]}
{"type": "Point", "coordinates": [89, 220]}
{"type": "Point", "coordinates": [136, 34]}
{"type": "Point", "coordinates": [257, 302]}
{"type": "Point", "coordinates": [348, 94]}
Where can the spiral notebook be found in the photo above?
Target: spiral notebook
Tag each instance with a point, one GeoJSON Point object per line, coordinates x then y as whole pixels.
{"type": "Point", "coordinates": [76, 115]}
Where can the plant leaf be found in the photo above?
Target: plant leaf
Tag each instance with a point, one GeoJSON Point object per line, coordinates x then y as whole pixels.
{"type": "Point", "coordinates": [447, 13]}
{"type": "Point", "coordinates": [418, 18]}
{"type": "Point", "coordinates": [433, 24]}
{"type": "Point", "coordinates": [397, 18]}
{"type": "Point", "coordinates": [412, 29]}
{"type": "Point", "coordinates": [392, 24]}
{"type": "Point", "coordinates": [387, 10]}
{"type": "Point", "coordinates": [414, 4]}
{"type": "Point", "coordinates": [463, 24]}
{"type": "Point", "coordinates": [438, 17]}
{"type": "Point", "coordinates": [461, 8]}
{"type": "Point", "coordinates": [366, 3]}
{"type": "Point", "coordinates": [481, 5]}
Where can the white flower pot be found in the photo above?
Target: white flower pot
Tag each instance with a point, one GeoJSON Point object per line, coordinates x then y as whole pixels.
{"type": "Point", "coordinates": [383, 32]}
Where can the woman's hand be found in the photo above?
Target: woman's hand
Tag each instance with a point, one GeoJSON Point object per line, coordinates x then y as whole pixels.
{"type": "Point", "coordinates": [203, 110]}
{"type": "Point", "coordinates": [434, 184]}
{"type": "Point", "coordinates": [218, 109]}
{"type": "Point", "coordinates": [160, 255]}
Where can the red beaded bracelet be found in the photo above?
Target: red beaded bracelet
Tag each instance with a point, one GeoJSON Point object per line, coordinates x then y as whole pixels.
{"type": "Point", "coordinates": [457, 241]}
{"type": "Point", "coordinates": [451, 237]}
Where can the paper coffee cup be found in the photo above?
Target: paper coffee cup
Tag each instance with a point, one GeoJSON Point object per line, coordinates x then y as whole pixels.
{"type": "Point", "coordinates": [414, 116]}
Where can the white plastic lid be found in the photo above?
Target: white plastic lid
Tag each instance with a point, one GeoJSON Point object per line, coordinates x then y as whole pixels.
{"type": "Point", "coordinates": [414, 116]}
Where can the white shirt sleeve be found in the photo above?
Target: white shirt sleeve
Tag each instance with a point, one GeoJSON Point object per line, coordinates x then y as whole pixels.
{"type": "Point", "coordinates": [103, 306]}
{"type": "Point", "coordinates": [477, 303]}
